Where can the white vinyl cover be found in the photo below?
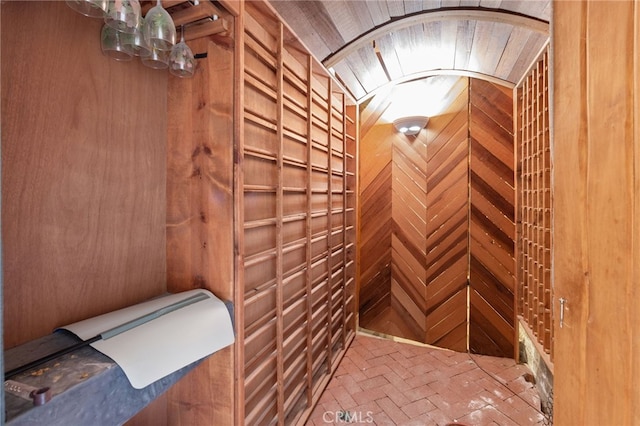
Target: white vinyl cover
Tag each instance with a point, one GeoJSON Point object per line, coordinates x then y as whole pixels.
{"type": "Point", "coordinates": [162, 335]}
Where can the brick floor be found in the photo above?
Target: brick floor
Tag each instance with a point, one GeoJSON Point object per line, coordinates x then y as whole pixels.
{"type": "Point", "coordinates": [385, 382]}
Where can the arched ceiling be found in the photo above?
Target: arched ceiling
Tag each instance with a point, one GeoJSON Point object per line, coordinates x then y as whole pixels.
{"type": "Point", "coordinates": [370, 44]}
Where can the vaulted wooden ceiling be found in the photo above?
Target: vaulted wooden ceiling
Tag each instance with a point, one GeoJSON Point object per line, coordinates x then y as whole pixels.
{"type": "Point", "coordinates": [370, 44]}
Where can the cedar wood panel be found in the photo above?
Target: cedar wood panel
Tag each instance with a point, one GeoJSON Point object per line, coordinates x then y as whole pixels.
{"type": "Point", "coordinates": [446, 198]}
{"type": "Point", "coordinates": [492, 228]}
{"type": "Point", "coordinates": [596, 178]}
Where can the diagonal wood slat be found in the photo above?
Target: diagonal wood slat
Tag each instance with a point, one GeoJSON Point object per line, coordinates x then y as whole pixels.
{"type": "Point", "coordinates": [447, 207]}
{"type": "Point", "coordinates": [492, 264]}
{"type": "Point", "coordinates": [409, 230]}
{"type": "Point", "coordinates": [443, 201]}
{"type": "Point", "coordinates": [375, 250]}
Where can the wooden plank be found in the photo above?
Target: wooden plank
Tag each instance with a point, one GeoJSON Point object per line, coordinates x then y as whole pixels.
{"type": "Point", "coordinates": [499, 140]}
{"type": "Point", "coordinates": [412, 315]}
{"type": "Point", "coordinates": [485, 321]}
{"type": "Point", "coordinates": [446, 221]}
{"type": "Point", "coordinates": [408, 267]}
{"type": "Point", "coordinates": [432, 16]}
{"type": "Point", "coordinates": [487, 286]}
{"type": "Point", "coordinates": [452, 232]}
{"type": "Point", "coordinates": [452, 280]}
{"type": "Point", "coordinates": [211, 236]}
{"type": "Point", "coordinates": [207, 29]}
{"type": "Point", "coordinates": [491, 326]}
{"type": "Point", "coordinates": [491, 237]}
{"type": "Point", "coordinates": [75, 188]}
{"type": "Point", "coordinates": [595, 203]}
{"type": "Point", "coordinates": [280, 396]}
{"type": "Point", "coordinates": [193, 12]}
{"type": "Point", "coordinates": [330, 258]}
{"type": "Point", "coordinates": [446, 319]}
{"type": "Point", "coordinates": [239, 393]}
{"type": "Point", "coordinates": [495, 100]}
{"type": "Point", "coordinates": [308, 272]}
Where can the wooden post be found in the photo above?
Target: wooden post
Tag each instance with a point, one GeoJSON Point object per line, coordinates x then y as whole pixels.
{"type": "Point", "coordinates": [200, 213]}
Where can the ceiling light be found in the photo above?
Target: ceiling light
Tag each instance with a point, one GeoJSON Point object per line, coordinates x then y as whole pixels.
{"type": "Point", "coordinates": [410, 126]}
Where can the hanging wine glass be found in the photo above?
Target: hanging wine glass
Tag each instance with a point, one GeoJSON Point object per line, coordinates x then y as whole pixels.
{"type": "Point", "coordinates": [90, 8]}
{"type": "Point", "coordinates": [123, 15]}
{"type": "Point", "coordinates": [116, 44]}
{"type": "Point", "coordinates": [159, 30]}
{"type": "Point", "coordinates": [181, 61]}
{"type": "Point", "coordinates": [138, 43]}
{"type": "Point", "coordinates": [158, 59]}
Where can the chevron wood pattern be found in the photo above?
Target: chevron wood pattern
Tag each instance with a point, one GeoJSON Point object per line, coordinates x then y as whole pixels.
{"type": "Point", "coordinates": [409, 213]}
{"type": "Point", "coordinates": [492, 227]}
{"type": "Point", "coordinates": [447, 223]}
{"type": "Point", "coordinates": [375, 231]}
{"type": "Point", "coordinates": [437, 223]}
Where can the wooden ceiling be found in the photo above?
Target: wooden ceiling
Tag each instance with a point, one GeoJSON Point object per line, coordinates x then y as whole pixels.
{"type": "Point", "coordinates": [371, 44]}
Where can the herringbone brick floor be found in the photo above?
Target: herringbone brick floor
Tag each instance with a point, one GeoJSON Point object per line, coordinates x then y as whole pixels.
{"type": "Point", "coordinates": [384, 382]}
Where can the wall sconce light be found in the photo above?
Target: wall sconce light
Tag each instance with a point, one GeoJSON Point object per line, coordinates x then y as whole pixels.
{"type": "Point", "coordinates": [410, 126]}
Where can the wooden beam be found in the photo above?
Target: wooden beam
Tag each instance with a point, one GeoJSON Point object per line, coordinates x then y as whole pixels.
{"type": "Point", "coordinates": [193, 13]}
{"type": "Point", "coordinates": [238, 210]}
{"type": "Point", "coordinates": [433, 73]}
{"type": "Point", "coordinates": [280, 229]}
{"type": "Point", "coordinates": [146, 6]}
{"type": "Point", "coordinates": [206, 29]}
{"type": "Point", "coordinates": [457, 14]}
{"type": "Point", "coordinates": [235, 7]}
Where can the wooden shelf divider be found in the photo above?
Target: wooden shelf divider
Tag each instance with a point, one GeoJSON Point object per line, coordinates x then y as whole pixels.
{"type": "Point", "coordinates": [297, 240]}
{"type": "Point", "coordinates": [535, 293]}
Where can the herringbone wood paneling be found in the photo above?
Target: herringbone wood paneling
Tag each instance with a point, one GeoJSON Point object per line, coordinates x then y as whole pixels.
{"type": "Point", "coordinates": [492, 228]}
{"type": "Point", "coordinates": [437, 214]}
{"type": "Point", "coordinates": [408, 212]}
{"type": "Point", "coordinates": [376, 224]}
{"type": "Point", "coordinates": [447, 222]}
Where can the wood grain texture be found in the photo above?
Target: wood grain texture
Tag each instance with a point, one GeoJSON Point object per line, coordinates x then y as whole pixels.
{"type": "Point", "coordinates": [296, 190]}
{"type": "Point", "coordinates": [370, 43]}
{"type": "Point", "coordinates": [596, 193]}
{"type": "Point", "coordinates": [375, 173]}
{"type": "Point", "coordinates": [200, 220]}
{"type": "Point", "coordinates": [447, 226]}
{"type": "Point", "coordinates": [492, 263]}
{"type": "Point", "coordinates": [409, 213]}
{"type": "Point", "coordinates": [451, 210]}
{"type": "Point", "coordinates": [534, 204]}
{"type": "Point", "coordinates": [83, 176]}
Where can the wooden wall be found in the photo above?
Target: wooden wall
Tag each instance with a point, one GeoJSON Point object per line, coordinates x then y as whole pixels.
{"type": "Point", "coordinates": [248, 169]}
{"type": "Point", "coordinates": [447, 222]}
{"type": "Point", "coordinates": [376, 225]}
{"type": "Point", "coordinates": [83, 175]}
{"type": "Point", "coordinates": [596, 178]}
{"type": "Point", "coordinates": [408, 209]}
{"type": "Point", "coordinates": [492, 220]}
{"type": "Point", "coordinates": [450, 212]}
